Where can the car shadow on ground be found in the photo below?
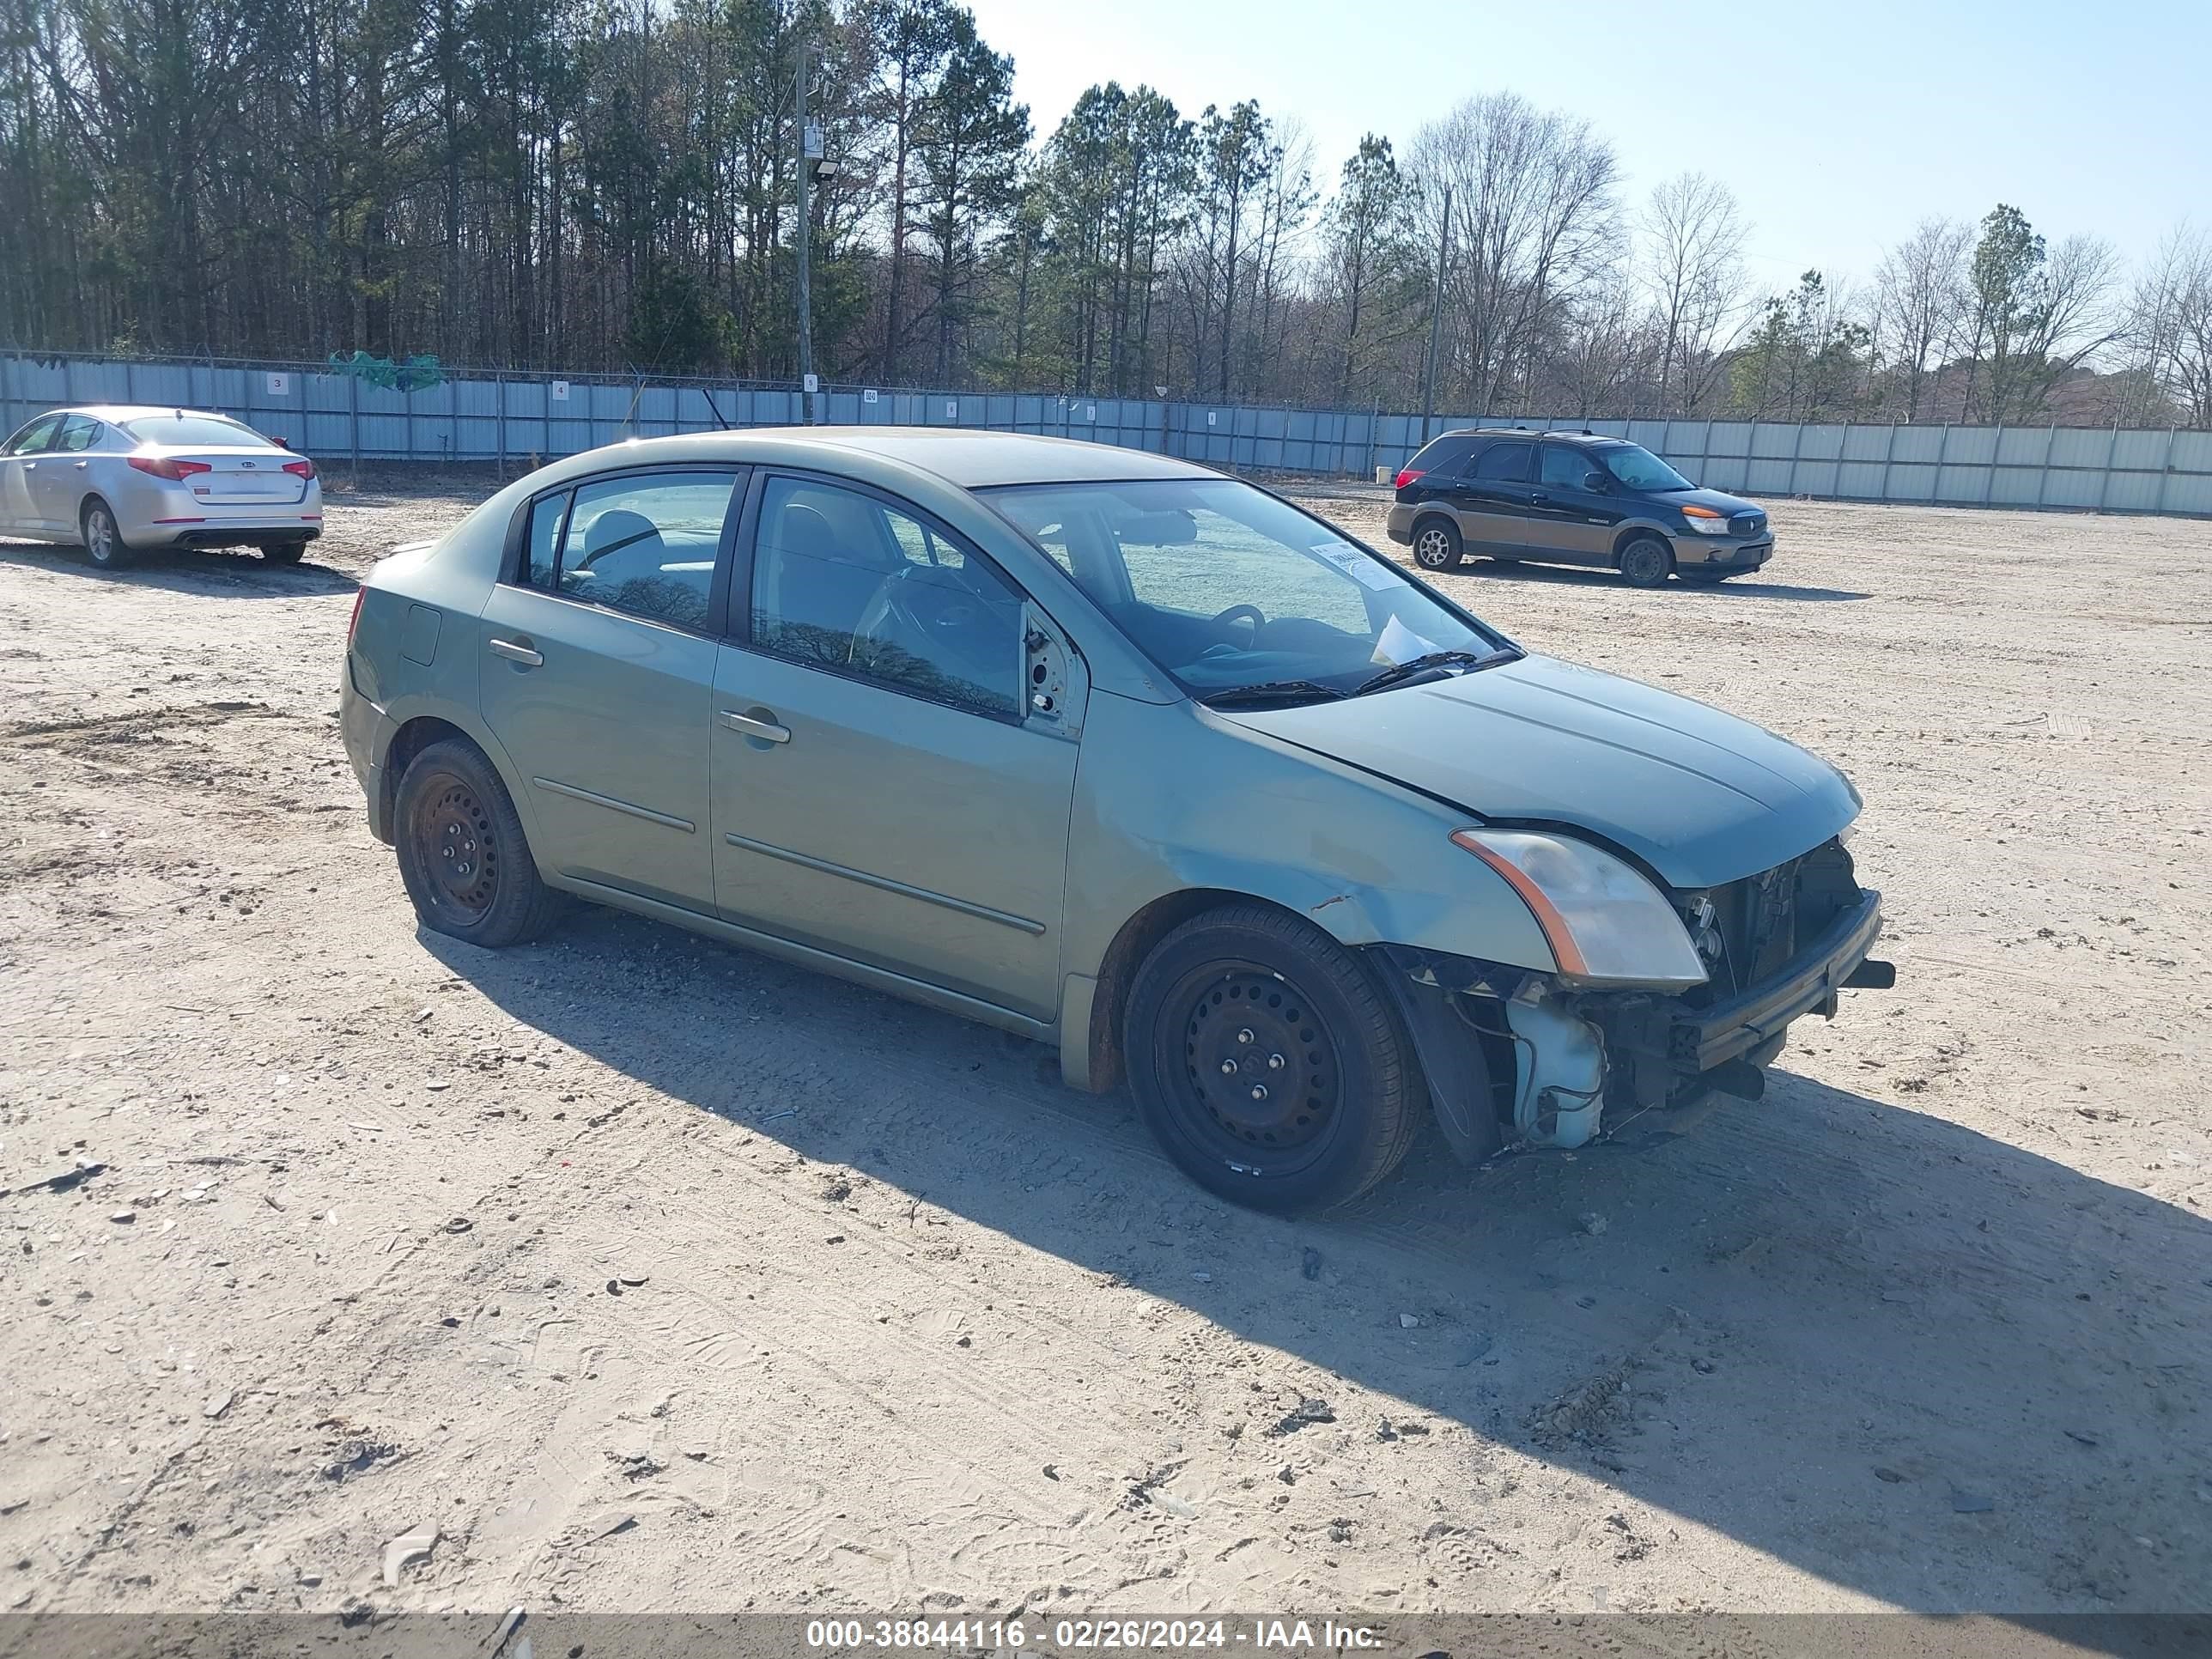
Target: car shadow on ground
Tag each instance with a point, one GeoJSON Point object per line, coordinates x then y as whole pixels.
{"type": "Point", "coordinates": [1849, 1334]}
{"type": "Point", "coordinates": [1735, 586]}
{"type": "Point", "coordinates": [215, 571]}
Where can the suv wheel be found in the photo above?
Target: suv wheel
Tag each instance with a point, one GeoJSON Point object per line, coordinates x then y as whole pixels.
{"type": "Point", "coordinates": [1647, 562]}
{"type": "Point", "coordinates": [461, 853]}
{"type": "Point", "coordinates": [1437, 544]}
{"type": "Point", "coordinates": [1268, 1062]}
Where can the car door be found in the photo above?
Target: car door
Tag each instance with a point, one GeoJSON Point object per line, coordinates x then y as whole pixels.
{"type": "Point", "coordinates": [596, 673]}
{"type": "Point", "coordinates": [1568, 520]}
{"type": "Point", "coordinates": [62, 477]}
{"type": "Point", "coordinates": [886, 787]}
{"type": "Point", "coordinates": [1491, 498]}
{"type": "Point", "coordinates": [19, 473]}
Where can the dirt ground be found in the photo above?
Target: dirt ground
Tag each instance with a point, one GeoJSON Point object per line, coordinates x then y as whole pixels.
{"type": "Point", "coordinates": [641, 1272]}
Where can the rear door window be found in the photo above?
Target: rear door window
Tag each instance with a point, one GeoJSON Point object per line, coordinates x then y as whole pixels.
{"type": "Point", "coordinates": [646, 544]}
{"type": "Point", "coordinates": [78, 434]}
{"type": "Point", "coordinates": [1503, 464]}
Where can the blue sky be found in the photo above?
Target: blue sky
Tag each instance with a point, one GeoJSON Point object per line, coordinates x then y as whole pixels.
{"type": "Point", "coordinates": [1838, 126]}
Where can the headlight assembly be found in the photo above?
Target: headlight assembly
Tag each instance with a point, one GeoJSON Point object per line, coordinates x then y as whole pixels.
{"type": "Point", "coordinates": [1606, 924]}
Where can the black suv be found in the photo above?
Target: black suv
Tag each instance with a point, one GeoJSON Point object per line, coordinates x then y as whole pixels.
{"type": "Point", "coordinates": [1571, 498]}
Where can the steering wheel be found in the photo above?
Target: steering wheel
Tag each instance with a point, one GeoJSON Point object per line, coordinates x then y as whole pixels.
{"type": "Point", "coordinates": [1251, 613]}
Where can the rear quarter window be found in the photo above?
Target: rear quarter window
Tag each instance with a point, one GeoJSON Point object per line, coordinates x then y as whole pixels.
{"type": "Point", "coordinates": [1442, 455]}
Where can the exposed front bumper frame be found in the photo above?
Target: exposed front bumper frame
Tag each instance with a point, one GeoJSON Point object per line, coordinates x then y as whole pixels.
{"type": "Point", "coordinates": [1699, 1040]}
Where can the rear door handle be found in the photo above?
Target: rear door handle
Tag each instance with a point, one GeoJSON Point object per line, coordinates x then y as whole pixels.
{"type": "Point", "coordinates": [756, 728]}
{"type": "Point", "coordinates": [515, 652]}
{"type": "Point", "coordinates": [81, 465]}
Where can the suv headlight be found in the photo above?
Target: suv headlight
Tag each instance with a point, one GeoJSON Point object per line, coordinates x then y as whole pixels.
{"type": "Point", "coordinates": [1705, 521]}
{"type": "Point", "coordinates": [1606, 924]}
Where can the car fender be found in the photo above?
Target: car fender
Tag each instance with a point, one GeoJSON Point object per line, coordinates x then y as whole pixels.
{"type": "Point", "coordinates": [1364, 860]}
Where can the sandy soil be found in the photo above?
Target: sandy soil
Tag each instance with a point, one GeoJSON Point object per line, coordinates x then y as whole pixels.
{"type": "Point", "coordinates": [646, 1274]}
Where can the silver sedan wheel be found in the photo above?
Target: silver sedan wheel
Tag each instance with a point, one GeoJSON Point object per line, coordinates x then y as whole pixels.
{"type": "Point", "coordinates": [103, 543]}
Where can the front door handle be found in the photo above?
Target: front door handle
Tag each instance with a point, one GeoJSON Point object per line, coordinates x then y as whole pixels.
{"type": "Point", "coordinates": [1539, 499]}
{"type": "Point", "coordinates": [756, 728]}
{"type": "Point", "coordinates": [516, 653]}
{"type": "Point", "coordinates": [81, 465]}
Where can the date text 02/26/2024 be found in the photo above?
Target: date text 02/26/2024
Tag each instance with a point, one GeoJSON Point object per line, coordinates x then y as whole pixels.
{"type": "Point", "coordinates": [831, 1636]}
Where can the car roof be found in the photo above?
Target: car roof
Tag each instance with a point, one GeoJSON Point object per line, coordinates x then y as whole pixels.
{"type": "Point", "coordinates": [967, 460]}
{"type": "Point", "coordinates": [115, 413]}
{"type": "Point", "coordinates": [1579, 437]}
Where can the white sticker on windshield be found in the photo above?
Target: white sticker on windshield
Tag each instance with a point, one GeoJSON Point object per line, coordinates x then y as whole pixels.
{"type": "Point", "coordinates": [1364, 570]}
{"type": "Point", "coordinates": [1400, 644]}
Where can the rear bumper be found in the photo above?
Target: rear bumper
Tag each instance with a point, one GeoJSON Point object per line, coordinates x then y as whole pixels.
{"type": "Point", "coordinates": [364, 729]}
{"type": "Point", "coordinates": [1398, 523]}
{"type": "Point", "coordinates": [234, 535]}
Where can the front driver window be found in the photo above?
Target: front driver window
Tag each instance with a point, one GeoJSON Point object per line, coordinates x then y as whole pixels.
{"type": "Point", "coordinates": [844, 581]}
{"type": "Point", "coordinates": [36, 438]}
{"type": "Point", "coordinates": [1565, 469]}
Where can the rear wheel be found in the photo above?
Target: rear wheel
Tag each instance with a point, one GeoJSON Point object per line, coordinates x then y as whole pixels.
{"type": "Point", "coordinates": [1268, 1062]}
{"type": "Point", "coordinates": [1647, 562]}
{"type": "Point", "coordinates": [462, 853]}
{"type": "Point", "coordinates": [103, 538]}
{"type": "Point", "coordinates": [1437, 544]}
{"type": "Point", "coordinates": [283, 552]}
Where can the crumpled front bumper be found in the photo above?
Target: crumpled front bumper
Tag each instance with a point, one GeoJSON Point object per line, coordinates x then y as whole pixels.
{"type": "Point", "coordinates": [1699, 1041]}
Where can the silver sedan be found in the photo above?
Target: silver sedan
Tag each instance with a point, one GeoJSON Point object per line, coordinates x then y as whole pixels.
{"type": "Point", "coordinates": [118, 481]}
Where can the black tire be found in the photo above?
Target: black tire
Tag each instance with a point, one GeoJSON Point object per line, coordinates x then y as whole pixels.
{"type": "Point", "coordinates": [1436, 545]}
{"type": "Point", "coordinates": [283, 552]}
{"type": "Point", "coordinates": [1647, 562]}
{"type": "Point", "coordinates": [1273, 997]}
{"type": "Point", "coordinates": [463, 855]}
{"type": "Point", "coordinates": [102, 536]}
{"type": "Point", "coordinates": [1698, 577]}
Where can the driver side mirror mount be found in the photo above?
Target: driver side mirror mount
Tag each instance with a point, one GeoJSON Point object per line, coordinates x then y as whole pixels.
{"type": "Point", "coordinates": [1597, 483]}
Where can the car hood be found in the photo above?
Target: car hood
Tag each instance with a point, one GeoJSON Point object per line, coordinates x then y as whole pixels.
{"type": "Point", "coordinates": [1701, 797]}
{"type": "Point", "coordinates": [1731, 505]}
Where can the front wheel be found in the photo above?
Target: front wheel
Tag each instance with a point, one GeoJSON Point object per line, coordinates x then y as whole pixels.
{"type": "Point", "coordinates": [462, 853]}
{"type": "Point", "coordinates": [103, 538]}
{"type": "Point", "coordinates": [1437, 544]}
{"type": "Point", "coordinates": [1267, 1063]}
{"type": "Point", "coordinates": [1647, 562]}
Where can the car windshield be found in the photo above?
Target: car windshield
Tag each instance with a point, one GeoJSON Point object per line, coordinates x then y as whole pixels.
{"type": "Point", "coordinates": [1233, 590]}
{"type": "Point", "coordinates": [1640, 468]}
{"type": "Point", "coordinates": [192, 432]}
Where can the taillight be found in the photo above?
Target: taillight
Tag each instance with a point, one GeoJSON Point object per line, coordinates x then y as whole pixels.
{"type": "Point", "coordinates": [301, 469]}
{"type": "Point", "coordinates": [1405, 476]}
{"type": "Point", "coordinates": [353, 623]}
{"type": "Point", "coordinates": [162, 467]}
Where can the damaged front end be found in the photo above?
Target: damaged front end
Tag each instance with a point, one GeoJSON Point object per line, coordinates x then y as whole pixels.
{"type": "Point", "coordinates": [1515, 1057]}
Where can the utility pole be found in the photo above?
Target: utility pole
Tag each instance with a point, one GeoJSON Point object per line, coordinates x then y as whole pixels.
{"type": "Point", "coordinates": [805, 237]}
{"type": "Point", "coordinates": [1436, 324]}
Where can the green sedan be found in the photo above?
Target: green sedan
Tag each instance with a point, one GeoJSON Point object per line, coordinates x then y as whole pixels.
{"type": "Point", "coordinates": [1116, 752]}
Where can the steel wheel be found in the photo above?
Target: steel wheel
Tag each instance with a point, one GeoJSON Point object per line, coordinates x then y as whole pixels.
{"type": "Point", "coordinates": [1646, 562]}
{"type": "Point", "coordinates": [1261, 1073]}
{"type": "Point", "coordinates": [1435, 546]}
{"type": "Point", "coordinates": [458, 846]}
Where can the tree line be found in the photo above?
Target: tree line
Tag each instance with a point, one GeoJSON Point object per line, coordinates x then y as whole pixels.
{"type": "Point", "coordinates": [609, 186]}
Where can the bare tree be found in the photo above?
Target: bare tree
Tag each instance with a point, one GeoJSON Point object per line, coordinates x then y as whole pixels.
{"type": "Point", "coordinates": [1693, 235]}
{"type": "Point", "coordinates": [1534, 223]}
{"type": "Point", "coordinates": [1919, 298]}
{"type": "Point", "coordinates": [2169, 325]}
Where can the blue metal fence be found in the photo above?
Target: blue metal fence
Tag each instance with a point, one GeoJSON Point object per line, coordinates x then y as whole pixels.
{"type": "Point", "coordinates": [520, 419]}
